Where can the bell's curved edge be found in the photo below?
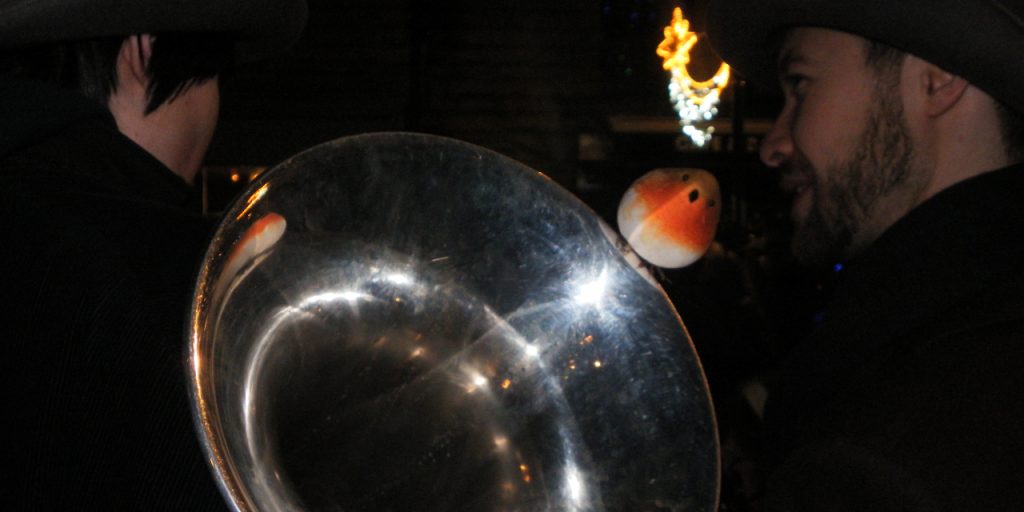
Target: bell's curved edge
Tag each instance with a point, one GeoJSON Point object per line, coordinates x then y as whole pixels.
{"type": "Point", "coordinates": [202, 399]}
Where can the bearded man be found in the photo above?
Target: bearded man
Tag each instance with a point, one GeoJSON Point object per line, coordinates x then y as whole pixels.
{"type": "Point", "coordinates": [106, 111]}
{"type": "Point", "coordinates": [900, 139]}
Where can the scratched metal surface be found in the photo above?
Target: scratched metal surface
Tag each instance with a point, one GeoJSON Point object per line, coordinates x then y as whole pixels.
{"type": "Point", "coordinates": [440, 328]}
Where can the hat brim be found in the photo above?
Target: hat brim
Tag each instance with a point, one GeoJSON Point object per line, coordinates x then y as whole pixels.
{"type": "Point", "coordinates": [262, 27]}
{"type": "Point", "coordinates": [981, 41]}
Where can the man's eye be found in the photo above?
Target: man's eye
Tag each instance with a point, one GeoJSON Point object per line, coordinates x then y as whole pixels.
{"type": "Point", "coordinates": [795, 84]}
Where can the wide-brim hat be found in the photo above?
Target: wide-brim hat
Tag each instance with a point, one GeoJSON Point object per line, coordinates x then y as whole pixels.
{"type": "Point", "coordinates": [263, 27]}
{"type": "Point", "coordinates": [979, 40]}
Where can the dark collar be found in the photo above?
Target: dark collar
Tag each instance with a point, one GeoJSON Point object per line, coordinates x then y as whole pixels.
{"type": "Point", "coordinates": [957, 251]}
{"type": "Point", "coordinates": [950, 264]}
{"type": "Point", "coordinates": [31, 111]}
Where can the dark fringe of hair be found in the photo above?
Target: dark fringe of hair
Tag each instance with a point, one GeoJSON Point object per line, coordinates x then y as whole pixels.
{"type": "Point", "coordinates": [882, 57]}
{"type": "Point", "coordinates": [181, 60]}
{"type": "Point", "coordinates": [178, 61]}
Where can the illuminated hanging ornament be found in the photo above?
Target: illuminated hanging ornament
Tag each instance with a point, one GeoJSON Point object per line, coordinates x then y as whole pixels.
{"type": "Point", "coordinates": [696, 101]}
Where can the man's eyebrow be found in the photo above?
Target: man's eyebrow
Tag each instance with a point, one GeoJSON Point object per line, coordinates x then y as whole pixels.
{"type": "Point", "coordinates": [787, 58]}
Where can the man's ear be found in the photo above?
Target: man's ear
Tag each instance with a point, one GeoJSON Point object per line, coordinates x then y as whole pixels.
{"type": "Point", "coordinates": [942, 89]}
{"type": "Point", "coordinates": [134, 55]}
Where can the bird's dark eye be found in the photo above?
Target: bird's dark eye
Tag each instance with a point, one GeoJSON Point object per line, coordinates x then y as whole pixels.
{"type": "Point", "coordinates": [694, 195]}
{"type": "Point", "coordinates": [686, 177]}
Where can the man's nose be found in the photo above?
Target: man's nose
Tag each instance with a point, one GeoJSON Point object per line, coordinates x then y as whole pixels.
{"type": "Point", "coordinates": [777, 145]}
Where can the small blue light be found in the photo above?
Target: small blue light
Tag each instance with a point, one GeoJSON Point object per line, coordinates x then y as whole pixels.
{"type": "Point", "coordinates": [838, 267]}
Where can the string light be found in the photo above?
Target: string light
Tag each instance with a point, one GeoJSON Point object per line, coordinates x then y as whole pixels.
{"type": "Point", "coordinates": [696, 101]}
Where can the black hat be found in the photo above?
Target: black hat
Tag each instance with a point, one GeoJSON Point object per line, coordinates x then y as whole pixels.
{"type": "Point", "coordinates": [263, 27]}
{"type": "Point", "coordinates": [979, 40]}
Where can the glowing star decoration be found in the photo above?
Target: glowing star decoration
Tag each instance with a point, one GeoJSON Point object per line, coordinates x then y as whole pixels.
{"type": "Point", "coordinates": [669, 216]}
{"type": "Point", "coordinates": [696, 101]}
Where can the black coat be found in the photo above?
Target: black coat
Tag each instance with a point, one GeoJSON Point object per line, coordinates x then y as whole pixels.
{"type": "Point", "coordinates": [910, 395]}
{"type": "Point", "coordinates": [101, 246]}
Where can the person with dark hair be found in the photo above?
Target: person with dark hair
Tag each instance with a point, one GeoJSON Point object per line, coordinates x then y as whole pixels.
{"type": "Point", "coordinates": [106, 111]}
{"type": "Point", "coordinates": [900, 141]}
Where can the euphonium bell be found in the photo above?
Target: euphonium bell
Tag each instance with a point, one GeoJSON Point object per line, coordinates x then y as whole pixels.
{"type": "Point", "coordinates": [407, 322]}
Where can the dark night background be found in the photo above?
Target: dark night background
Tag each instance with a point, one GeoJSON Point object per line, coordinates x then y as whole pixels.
{"type": "Point", "coordinates": [572, 88]}
{"type": "Point", "coordinates": [530, 79]}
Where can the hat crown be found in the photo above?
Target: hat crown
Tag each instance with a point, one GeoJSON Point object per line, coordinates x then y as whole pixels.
{"type": "Point", "coordinates": [261, 25]}
{"type": "Point", "coordinates": [979, 40]}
